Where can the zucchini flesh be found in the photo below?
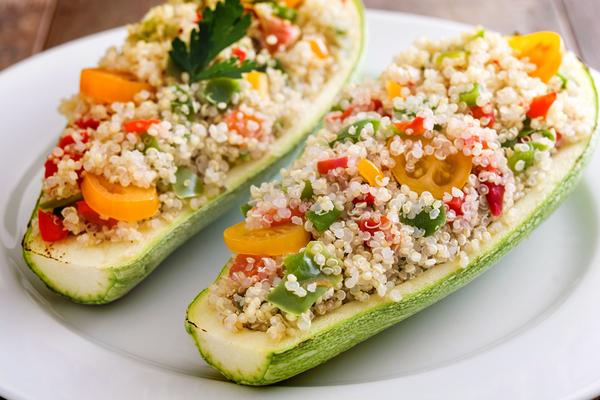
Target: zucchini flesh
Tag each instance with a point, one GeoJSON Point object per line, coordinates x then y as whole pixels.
{"type": "Point", "coordinates": [251, 358]}
{"type": "Point", "coordinates": [105, 272]}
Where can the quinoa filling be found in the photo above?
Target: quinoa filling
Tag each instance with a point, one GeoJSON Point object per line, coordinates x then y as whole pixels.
{"type": "Point", "coordinates": [198, 88]}
{"type": "Point", "coordinates": [409, 171]}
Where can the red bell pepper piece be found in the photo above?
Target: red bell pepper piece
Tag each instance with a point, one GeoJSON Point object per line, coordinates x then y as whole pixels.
{"type": "Point", "coordinates": [540, 105]}
{"type": "Point", "coordinates": [324, 166]}
{"type": "Point", "coordinates": [51, 227]}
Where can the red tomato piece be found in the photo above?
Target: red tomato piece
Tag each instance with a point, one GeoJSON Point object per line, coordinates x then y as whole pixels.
{"type": "Point", "coordinates": [50, 168]}
{"type": "Point", "coordinates": [455, 204]}
{"type": "Point", "coordinates": [92, 216]}
{"type": "Point", "coordinates": [87, 123]}
{"type": "Point", "coordinates": [324, 166]}
{"type": "Point", "coordinates": [368, 198]}
{"type": "Point", "coordinates": [495, 198]}
{"type": "Point", "coordinates": [373, 224]}
{"type": "Point", "coordinates": [139, 125]}
{"type": "Point", "coordinates": [51, 227]}
{"type": "Point", "coordinates": [540, 105]}
{"type": "Point", "coordinates": [284, 31]}
{"type": "Point", "coordinates": [244, 124]}
{"type": "Point", "coordinates": [239, 53]}
{"type": "Point", "coordinates": [485, 112]}
{"type": "Point", "coordinates": [415, 126]}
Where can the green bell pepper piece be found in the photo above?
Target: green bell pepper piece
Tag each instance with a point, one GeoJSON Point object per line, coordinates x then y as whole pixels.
{"type": "Point", "coordinates": [423, 221]}
{"type": "Point", "coordinates": [187, 183]}
{"type": "Point", "coordinates": [322, 222]}
{"type": "Point", "coordinates": [356, 127]}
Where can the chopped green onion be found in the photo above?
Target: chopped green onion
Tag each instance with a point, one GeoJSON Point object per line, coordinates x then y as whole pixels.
{"type": "Point", "coordinates": [450, 54]}
{"type": "Point", "coordinates": [221, 90]}
{"type": "Point", "coordinates": [470, 97]}
{"type": "Point", "coordinates": [187, 183]}
{"type": "Point", "coordinates": [307, 272]}
{"type": "Point", "coordinates": [149, 142]}
{"type": "Point", "coordinates": [59, 203]}
{"type": "Point", "coordinates": [424, 221]}
{"type": "Point", "coordinates": [307, 192]}
{"type": "Point", "coordinates": [527, 157]}
{"type": "Point", "coordinates": [284, 12]}
{"type": "Point", "coordinates": [352, 131]}
{"type": "Point", "coordinates": [322, 222]}
{"type": "Point", "coordinates": [563, 79]}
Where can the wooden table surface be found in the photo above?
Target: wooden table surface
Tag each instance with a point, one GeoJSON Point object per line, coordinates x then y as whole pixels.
{"type": "Point", "coordinates": [30, 26]}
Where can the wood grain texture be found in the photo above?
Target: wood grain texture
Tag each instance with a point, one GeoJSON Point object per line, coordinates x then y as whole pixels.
{"type": "Point", "coordinates": [23, 28]}
{"type": "Point", "coordinates": [76, 18]}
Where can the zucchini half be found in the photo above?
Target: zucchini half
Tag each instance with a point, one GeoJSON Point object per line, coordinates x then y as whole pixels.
{"type": "Point", "coordinates": [105, 272]}
{"type": "Point", "coordinates": [252, 358]}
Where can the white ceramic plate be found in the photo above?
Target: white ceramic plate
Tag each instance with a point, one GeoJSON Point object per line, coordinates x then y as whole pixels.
{"type": "Point", "coordinates": [529, 328]}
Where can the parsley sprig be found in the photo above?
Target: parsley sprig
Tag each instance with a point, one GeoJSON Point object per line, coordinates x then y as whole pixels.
{"type": "Point", "coordinates": [218, 29]}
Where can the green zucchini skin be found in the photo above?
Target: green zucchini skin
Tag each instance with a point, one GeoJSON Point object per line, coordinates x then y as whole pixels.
{"type": "Point", "coordinates": [274, 363]}
{"type": "Point", "coordinates": [117, 278]}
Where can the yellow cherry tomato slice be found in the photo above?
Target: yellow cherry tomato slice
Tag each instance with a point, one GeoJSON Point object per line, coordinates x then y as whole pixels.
{"type": "Point", "coordinates": [432, 175]}
{"type": "Point", "coordinates": [259, 82]}
{"type": "Point", "coordinates": [123, 203]}
{"type": "Point", "coordinates": [109, 87]}
{"type": "Point", "coordinates": [370, 172]}
{"type": "Point", "coordinates": [393, 89]}
{"type": "Point", "coordinates": [273, 241]}
{"type": "Point", "coordinates": [542, 49]}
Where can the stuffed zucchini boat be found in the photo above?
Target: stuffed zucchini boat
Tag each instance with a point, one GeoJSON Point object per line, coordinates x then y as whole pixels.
{"type": "Point", "coordinates": [417, 183]}
{"type": "Point", "coordinates": [202, 100]}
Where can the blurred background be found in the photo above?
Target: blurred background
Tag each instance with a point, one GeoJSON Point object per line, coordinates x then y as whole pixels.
{"type": "Point", "coordinates": [30, 26]}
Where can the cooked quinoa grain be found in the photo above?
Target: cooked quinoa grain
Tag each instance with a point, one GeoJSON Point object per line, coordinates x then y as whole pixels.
{"type": "Point", "coordinates": [410, 171]}
{"type": "Point", "coordinates": [181, 137]}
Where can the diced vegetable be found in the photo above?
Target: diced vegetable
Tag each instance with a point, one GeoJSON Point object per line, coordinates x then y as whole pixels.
{"type": "Point", "coordinates": [150, 142]}
{"type": "Point", "coordinates": [92, 216]}
{"type": "Point", "coordinates": [293, 3]}
{"type": "Point", "coordinates": [307, 192]}
{"type": "Point", "coordinates": [319, 48]}
{"type": "Point", "coordinates": [324, 166]}
{"type": "Point", "coordinates": [87, 123]}
{"type": "Point", "coordinates": [139, 125]}
{"type": "Point", "coordinates": [542, 49]}
{"type": "Point", "coordinates": [239, 53]}
{"type": "Point", "coordinates": [58, 203]}
{"type": "Point", "coordinates": [433, 175]}
{"type": "Point", "coordinates": [259, 81]}
{"type": "Point", "coordinates": [424, 220]}
{"type": "Point", "coordinates": [51, 227]}
{"type": "Point", "coordinates": [282, 30]}
{"type": "Point", "coordinates": [412, 127]}
{"type": "Point", "coordinates": [450, 54]}
{"type": "Point", "coordinates": [187, 184]}
{"type": "Point", "coordinates": [540, 105]}
{"type": "Point", "coordinates": [273, 241]}
{"type": "Point", "coordinates": [109, 87]}
{"type": "Point", "coordinates": [368, 198]}
{"type": "Point", "coordinates": [393, 89]}
{"type": "Point", "coordinates": [495, 198]}
{"type": "Point", "coordinates": [123, 203]}
{"type": "Point", "coordinates": [244, 124]}
{"type": "Point", "coordinates": [353, 131]}
{"type": "Point", "coordinates": [50, 168]}
{"type": "Point", "coordinates": [64, 141]}
{"type": "Point", "coordinates": [520, 160]}
{"type": "Point", "coordinates": [484, 114]}
{"type": "Point", "coordinates": [370, 172]}
{"type": "Point", "coordinates": [470, 97]}
{"type": "Point", "coordinates": [322, 222]}
{"type": "Point", "coordinates": [284, 12]}
{"type": "Point", "coordinates": [373, 224]}
{"type": "Point", "coordinates": [221, 90]}
{"type": "Point", "coordinates": [307, 274]}
{"type": "Point", "coordinates": [455, 204]}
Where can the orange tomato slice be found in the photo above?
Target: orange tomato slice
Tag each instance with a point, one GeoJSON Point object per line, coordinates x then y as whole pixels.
{"type": "Point", "coordinates": [542, 49]}
{"type": "Point", "coordinates": [432, 175]}
{"type": "Point", "coordinates": [123, 203]}
{"type": "Point", "coordinates": [273, 241]}
{"type": "Point", "coordinates": [109, 87]}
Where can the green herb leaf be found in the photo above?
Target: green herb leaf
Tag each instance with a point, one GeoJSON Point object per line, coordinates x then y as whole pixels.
{"type": "Point", "coordinates": [322, 222]}
{"type": "Point", "coordinates": [218, 29]}
{"type": "Point", "coordinates": [230, 68]}
{"type": "Point", "coordinates": [307, 191]}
